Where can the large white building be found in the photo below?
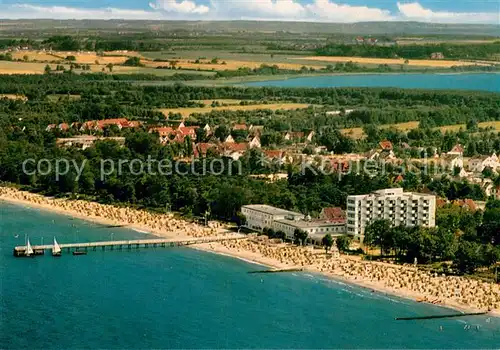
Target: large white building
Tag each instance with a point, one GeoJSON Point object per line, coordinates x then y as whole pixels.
{"type": "Point", "coordinates": [400, 208]}
{"type": "Point", "coordinates": [259, 216]}
{"type": "Point", "coordinates": [316, 229]}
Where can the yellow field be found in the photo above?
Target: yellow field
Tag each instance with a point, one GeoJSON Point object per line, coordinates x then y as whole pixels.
{"type": "Point", "coordinates": [34, 56]}
{"type": "Point", "coordinates": [186, 112]}
{"type": "Point", "coordinates": [117, 57]}
{"type": "Point", "coordinates": [391, 61]}
{"type": "Point", "coordinates": [14, 97]}
{"type": "Point", "coordinates": [230, 65]}
{"type": "Point", "coordinates": [455, 128]}
{"type": "Point", "coordinates": [7, 67]}
{"type": "Point", "coordinates": [358, 133]}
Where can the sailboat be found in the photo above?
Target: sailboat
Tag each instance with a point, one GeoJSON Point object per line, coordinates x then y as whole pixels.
{"type": "Point", "coordinates": [56, 250]}
{"type": "Point", "coordinates": [29, 250]}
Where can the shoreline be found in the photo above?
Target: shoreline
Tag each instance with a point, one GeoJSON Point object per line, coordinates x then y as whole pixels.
{"type": "Point", "coordinates": [248, 251]}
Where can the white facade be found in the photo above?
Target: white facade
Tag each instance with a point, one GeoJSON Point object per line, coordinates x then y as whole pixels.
{"type": "Point", "coordinates": [317, 228]}
{"type": "Point", "coordinates": [400, 208]}
{"type": "Point", "coordinates": [260, 216]}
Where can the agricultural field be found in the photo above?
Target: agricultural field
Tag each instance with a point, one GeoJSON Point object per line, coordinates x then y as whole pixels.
{"type": "Point", "coordinates": [186, 112]}
{"type": "Point", "coordinates": [228, 65]}
{"type": "Point", "coordinates": [13, 97]}
{"type": "Point", "coordinates": [8, 67]}
{"type": "Point", "coordinates": [358, 133]}
{"type": "Point", "coordinates": [454, 128]}
{"type": "Point", "coordinates": [393, 61]}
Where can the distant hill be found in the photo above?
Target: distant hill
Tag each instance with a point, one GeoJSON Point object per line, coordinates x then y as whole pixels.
{"type": "Point", "coordinates": [361, 28]}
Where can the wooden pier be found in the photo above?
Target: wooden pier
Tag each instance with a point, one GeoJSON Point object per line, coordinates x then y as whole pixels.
{"type": "Point", "coordinates": [20, 251]}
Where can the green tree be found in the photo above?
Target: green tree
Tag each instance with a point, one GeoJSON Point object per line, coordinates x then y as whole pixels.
{"type": "Point", "coordinates": [343, 243]}
{"type": "Point", "coordinates": [468, 257]}
{"type": "Point", "coordinates": [327, 242]}
{"type": "Point", "coordinates": [376, 234]}
{"type": "Point", "coordinates": [300, 236]}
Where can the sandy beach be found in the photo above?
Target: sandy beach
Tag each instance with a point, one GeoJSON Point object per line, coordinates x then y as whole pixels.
{"type": "Point", "coordinates": [401, 280]}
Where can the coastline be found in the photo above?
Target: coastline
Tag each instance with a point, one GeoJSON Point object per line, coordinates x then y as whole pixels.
{"type": "Point", "coordinates": [255, 251]}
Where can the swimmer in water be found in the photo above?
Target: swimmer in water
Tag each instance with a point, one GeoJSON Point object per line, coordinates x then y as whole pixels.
{"type": "Point", "coordinates": [441, 328]}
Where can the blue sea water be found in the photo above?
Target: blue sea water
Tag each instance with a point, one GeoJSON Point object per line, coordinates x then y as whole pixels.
{"type": "Point", "coordinates": [485, 82]}
{"type": "Point", "coordinates": [183, 298]}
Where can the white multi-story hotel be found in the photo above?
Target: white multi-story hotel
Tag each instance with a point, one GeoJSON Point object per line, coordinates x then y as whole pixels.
{"type": "Point", "coordinates": [400, 208]}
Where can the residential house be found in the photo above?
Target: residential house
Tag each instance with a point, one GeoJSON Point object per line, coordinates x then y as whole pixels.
{"type": "Point", "coordinates": [186, 131]}
{"type": "Point", "coordinates": [229, 139]}
{"type": "Point", "coordinates": [256, 130]}
{"type": "Point", "coordinates": [452, 161]}
{"type": "Point", "coordinates": [200, 150]}
{"type": "Point", "coordinates": [208, 129]}
{"type": "Point", "coordinates": [386, 145]}
{"type": "Point", "coordinates": [478, 164]}
{"type": "Point", "coordinates": [234, 150]}
{"type": "Point", "coordinates": [60, 127]}
{"type": "Point", "coordinates": [310, 136]}
{"type": "Point", "coordinates": [290, 136]}
{"type": "Point", "coordinates": [240, 127]}
{"type": "Point", "coordinates": [255, 142]}
{"type": "Point", "coordinates": [166, 134]}
{"type": "Point", "coordinates": [457, 150]}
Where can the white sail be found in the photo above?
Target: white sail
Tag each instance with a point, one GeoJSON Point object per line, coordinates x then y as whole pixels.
{"type": "Point", "coordinates": [29, 250]}
{"type": "Point", "coordinates": [56, 249]}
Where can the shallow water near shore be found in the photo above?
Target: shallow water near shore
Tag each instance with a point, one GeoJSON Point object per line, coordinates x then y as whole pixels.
{"type": "Point", "coordinates": [465, 81]}
{"type": "Point", "coordinates": [184, 298]}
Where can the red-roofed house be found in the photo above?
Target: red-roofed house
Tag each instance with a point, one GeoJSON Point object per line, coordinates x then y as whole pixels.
{"type": "Point", "coordinates": [333, 214]}
{"type": "Point", "coordinates": [188, 131]}
{"type": "Point", "coordinates": [466, 204]}
{"type": "Point", "coordinates": [234, 150]}
{"type": "Point", "coordinates": [457, 150]}
{"type": "Point", "coordinates": [119, 122]}
{"type": "Point", "coordinates": [201, 149]}
{"type": "Point", "coordinates": [398, 179]}
{"type": "Point", "coordinates": [240, 127]}
{"type": "Point", "coordinates": [386, 145]}
{"type": "Point", "coordinates": [166, 134]}
{"type": "Point", "coordinates": [61, 127]}
{"type": "Point", "coordinates": [441, 202]}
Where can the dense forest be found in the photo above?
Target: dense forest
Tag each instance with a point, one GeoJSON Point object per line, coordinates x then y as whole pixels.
{"type": "Point", "coordinates": [449, 51]}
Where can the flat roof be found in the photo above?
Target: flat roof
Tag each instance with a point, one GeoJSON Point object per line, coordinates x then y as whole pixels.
{"type": "Point", "coordinates": [268, 209]}
{"type": "Point", "coordinates": [309, 224]}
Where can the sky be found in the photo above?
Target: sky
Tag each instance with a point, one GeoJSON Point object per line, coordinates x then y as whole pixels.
{"type": "Point", "coordinates": [340, 11]}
